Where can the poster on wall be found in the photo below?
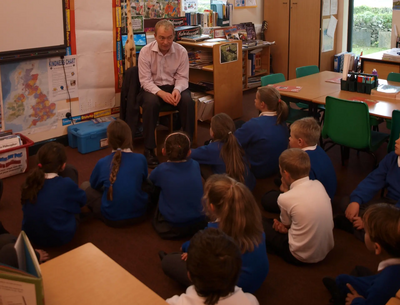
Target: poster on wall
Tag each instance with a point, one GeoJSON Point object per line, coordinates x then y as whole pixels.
{"type": "Point", "coordinates": [327, 41]}
{"type": "Point", "coordinates": [396, 5]}
{"type": "Point", "coordinates": [228, 52]}
{"type": "Point", "coordinates": [26, 105]}
{"type": "Point", "coordinates": [137, 24]}
{"type": "Point", "coordinates": [245, 3]}
{"type": "Point", "coordinates": [189, 6]}
{"type": "Point", "coordinates": [63, 78]}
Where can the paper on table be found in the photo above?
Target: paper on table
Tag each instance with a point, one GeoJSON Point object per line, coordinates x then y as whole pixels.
{"type": "Point", "coordinates": [331, 27]}
{"type": "Point", "coordinates": [333, 7]}
{"type": "Point", "coordinates": [326, 7]}
{"type": "Point", "coordinates": [346, 66]}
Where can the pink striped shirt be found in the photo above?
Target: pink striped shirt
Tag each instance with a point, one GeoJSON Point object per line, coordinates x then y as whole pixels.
{"type": "Point", "coordinates": [156, 69]}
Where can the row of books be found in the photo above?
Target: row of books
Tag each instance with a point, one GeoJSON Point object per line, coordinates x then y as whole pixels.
{"type": "Point", "coordinates": [338, 62]}
{"type": "Point", "coordinates": [206, 19]}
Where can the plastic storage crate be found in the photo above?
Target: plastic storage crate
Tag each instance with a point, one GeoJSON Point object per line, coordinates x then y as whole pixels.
{"type": "Point", "coordinates": [14, 160]}
{"type": "Point", "coordinates": [88, 136]}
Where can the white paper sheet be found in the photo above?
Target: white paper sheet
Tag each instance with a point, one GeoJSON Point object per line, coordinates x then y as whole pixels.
{"type": "Point", "coordinates": [326, 7]}
{"type": "Point", "coordinates": [331, 27]}
{"type": "Point", "coordinates": [94, 40]}
{"type": "Point", "coordinates": [334, 7]}
{"type": "Point", "coordinates": [57, 85]}
{"type": "Point", "coordinates": [327, 42]}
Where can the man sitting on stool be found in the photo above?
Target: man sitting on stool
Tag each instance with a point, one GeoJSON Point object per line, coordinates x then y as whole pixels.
{"type": "Point", "coordinates": [164, 77]}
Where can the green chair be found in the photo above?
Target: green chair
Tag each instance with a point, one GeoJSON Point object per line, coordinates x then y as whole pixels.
{"type": "Point", "coordinates": [305, 71]}
{"type": "Point", "coordinates": [294, 114]}
{"type": "Point", "coordinates": [395, 130]}
{"type": "Point", "coordinates": [392, 77]}
{"type": "Point", "coordinates": [347, 124]}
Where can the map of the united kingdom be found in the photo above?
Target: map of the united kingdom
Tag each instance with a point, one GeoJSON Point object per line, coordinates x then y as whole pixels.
{"type": "Point", "coordinates": [25, 96]}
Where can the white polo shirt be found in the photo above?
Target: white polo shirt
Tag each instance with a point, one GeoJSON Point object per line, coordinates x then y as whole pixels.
{"type": "Point", "coordinates": [307, 209]}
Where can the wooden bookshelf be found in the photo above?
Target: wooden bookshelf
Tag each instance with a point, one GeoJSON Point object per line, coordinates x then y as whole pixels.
{"type": "Point", "coordinates": [265, 68]}
{"type": "Point", "coordinates": [226, 77]}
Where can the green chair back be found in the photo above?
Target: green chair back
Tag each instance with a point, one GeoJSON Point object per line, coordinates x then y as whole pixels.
{"type": "Point", "coordinates": [393, 77]}
{"type": "Point", "coordinates": [306, 70]}
{"type": "Point", "coordinates": [272, 79]}
{"type": "Point", "coordinates": [347, 123]}
{"type": "Point", "coordinates": [395, 129]}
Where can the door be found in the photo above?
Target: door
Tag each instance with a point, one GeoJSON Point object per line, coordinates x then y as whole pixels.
{"type": "Point", "coordinates": [276, 13]}
{"type": "Point", "coordinates": [304, 38]}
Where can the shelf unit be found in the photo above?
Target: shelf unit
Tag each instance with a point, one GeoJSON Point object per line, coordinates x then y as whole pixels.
{"type": "Point", "coordinates": [265, 64]}
{"type": "Point", "coordinates": [226, 77]}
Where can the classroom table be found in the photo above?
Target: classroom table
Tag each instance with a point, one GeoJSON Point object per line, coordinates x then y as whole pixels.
{"type": "Point", "coordinates": [87, 276]}
{"type": "Point", "coordinates": [313, 86]}
{"type": "Point", "coordinates": [378, 106]}
{"type": "Point", "coordinates": [315, 89]}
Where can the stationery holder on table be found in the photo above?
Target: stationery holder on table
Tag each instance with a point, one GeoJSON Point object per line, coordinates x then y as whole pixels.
{"type": "Point", "coordinates": [360, 82]}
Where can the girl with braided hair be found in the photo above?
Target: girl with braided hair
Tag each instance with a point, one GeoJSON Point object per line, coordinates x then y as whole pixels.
{"type": "Point", "coordinates": [115, 192]}
{"type": "Point", "coordinates": [179, 211]}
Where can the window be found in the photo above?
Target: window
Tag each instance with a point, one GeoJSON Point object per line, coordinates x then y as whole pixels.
{"type": "Point", "coordinates": [372, 26]}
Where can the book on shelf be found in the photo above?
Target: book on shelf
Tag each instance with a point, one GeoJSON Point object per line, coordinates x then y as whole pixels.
{"type": "Point", "coordinates": [231, 33]}
{"type": "Point", "coordinates": [23, 285]}
{"type": "Point", "coordinates": [9, 140]}
{"type": "Point", "coordinates": [252, 58]}
{"type": "Point", "coordinates": [249, 43]}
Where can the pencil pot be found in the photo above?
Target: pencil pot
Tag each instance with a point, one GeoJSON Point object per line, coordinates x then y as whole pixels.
{"type": "Point", "coordinates": [352, 86]}
{"type": "Point", "coordinates": [344, 85]}
{"type": "Point", "coordinates": [361, 88]}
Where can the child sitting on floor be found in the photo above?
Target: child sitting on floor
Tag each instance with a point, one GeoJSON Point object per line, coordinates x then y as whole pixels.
{"type": "Point", "coordinates": [304, 134]}
{"type": "Point", "coordinates": [387, 175]}
{"type": "Point", "coordinates": [213, 266]}
{"type": "Point", "coordinates": [266, 137]}
{"type": "Point", "coordinates": [304, 233]}
{"type": "Point", "coordinates": [115, 191]}
{"type": "Point", "coordinates": [180, 211]}
{"type": "Point", "coordinates": [51, 202]}
{"type": "Point", "coordinates": [382, 237]}
{"type": "Point", "coordinates": [232, 207]}
{"type": "Point", "coordinates": [224, 154]}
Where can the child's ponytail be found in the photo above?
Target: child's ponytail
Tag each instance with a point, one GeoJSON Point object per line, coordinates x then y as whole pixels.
{"type": "Point", "coordinates": [115, 163]}
{"type": "Point", "coordinates": [282, 111]}
{"type": "Point", "coordinates": [51, 158]}
{"type": "Point", "coordinates": [119, 137]}
{"type": "Point", "coordinates": [232, 153]}
{"type": "Point", "coordinates": [272, 98]}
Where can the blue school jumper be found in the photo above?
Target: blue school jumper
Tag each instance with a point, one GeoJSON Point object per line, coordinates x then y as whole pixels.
{"type": "Point", "coordinates": [376, 289]}
{"type": "Point", "coordinates": [51, 222]}
{"type": "Point", "coordinates": [386, 175]}
{"type": "Point", "coordinates": [322, 170]}
{"type": "Point", "coordinates": [129, 201]}
{"type": "Point", "coordinates": [181, 191]}
{"type": "Point", "coordinates": [255, 265]}
{"type": "Point", "coordinates": [211, 155]}
{"type": "Point", "coordinates": [263, 141]}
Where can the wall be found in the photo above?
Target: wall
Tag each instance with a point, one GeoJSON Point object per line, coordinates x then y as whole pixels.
{"type": "Point", "coordinates": [254, 14]}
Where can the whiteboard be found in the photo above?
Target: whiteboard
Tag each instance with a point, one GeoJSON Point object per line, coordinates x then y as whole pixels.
{"type": "Point", "coordinates": [31, 25]}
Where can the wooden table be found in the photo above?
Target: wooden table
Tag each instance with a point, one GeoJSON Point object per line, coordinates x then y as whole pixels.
{"type": "Point", "coordinates": [313, 86]}
{"type": "Point", "coordinates": [383, 107]}
{"type": "Point", "coordinates": [87, 276]}
{"type": "Point", "coordinates": [382, 66]}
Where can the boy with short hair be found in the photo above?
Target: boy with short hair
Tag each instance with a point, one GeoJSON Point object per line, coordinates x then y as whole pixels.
{"type": "Point", "coordinates": [304, 134]}
{"type": "Point", "coordinates": [382, 237]}
{"type": "Point", "coordinates": [213, 264]}
{"type": "Point", "coordinates": [304, 233]}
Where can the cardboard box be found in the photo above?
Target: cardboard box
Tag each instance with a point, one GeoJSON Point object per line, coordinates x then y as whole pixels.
{"type": "Point", "coordinates": [205, 108]}
{"type": "Point", "coordinates": [14, 160]}
{"type": "Point", "coordinates": [88, 136]}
